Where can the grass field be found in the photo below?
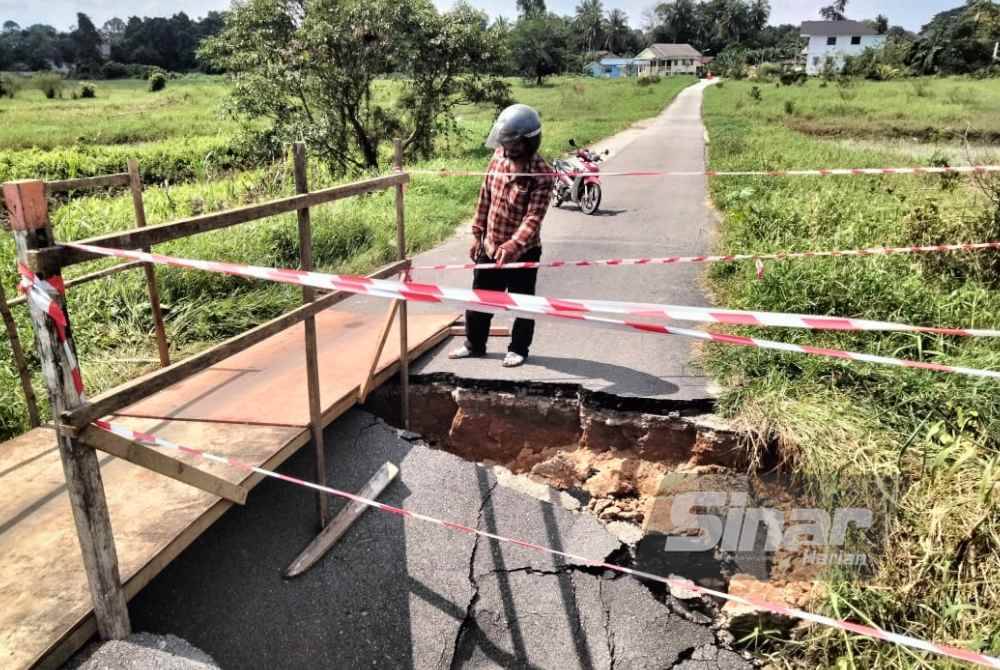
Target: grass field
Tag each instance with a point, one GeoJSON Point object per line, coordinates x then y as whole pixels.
{"type": "Point", "coordinates": [923, 444]}
{"type": "Point", "coordinates": [189, 169]}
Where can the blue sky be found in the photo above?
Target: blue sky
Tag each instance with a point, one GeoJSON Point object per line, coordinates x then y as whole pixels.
{"type": "Point", "coordinates": [62, 13]}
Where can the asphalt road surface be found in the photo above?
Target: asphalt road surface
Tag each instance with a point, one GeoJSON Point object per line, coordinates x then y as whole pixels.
{"type": "Point", "coordinates": [639, 217]}
{"type": "Point", "coordinates": [413, 595]}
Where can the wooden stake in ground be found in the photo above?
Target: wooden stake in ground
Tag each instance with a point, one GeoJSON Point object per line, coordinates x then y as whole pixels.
{"type": "Point", "coordinates": [29, 221]}
{"type": "Point", "coordinates": [312, 357]}
{"type": "Point", "coordinates": [135, 184]}
{"type": "Point", "coordinates": [347, 516]}
{"type": "Point", "coordinates": [19, 361]}
{"type": "Point", "coordinates": [404, 346]}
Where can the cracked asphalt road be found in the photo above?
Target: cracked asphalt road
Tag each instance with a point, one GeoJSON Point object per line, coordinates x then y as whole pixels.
{"type": "Point", "coordinates": [417, 595]}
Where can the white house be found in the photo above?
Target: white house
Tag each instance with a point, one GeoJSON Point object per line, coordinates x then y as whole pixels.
{"type": "Point", "coordinates": [668, 59]}
{"type": "Point", "coordinates": [836, 39]}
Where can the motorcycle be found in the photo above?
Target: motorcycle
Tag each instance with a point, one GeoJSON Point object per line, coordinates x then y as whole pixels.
{"type": "Point", "coordinates": [579, 180]}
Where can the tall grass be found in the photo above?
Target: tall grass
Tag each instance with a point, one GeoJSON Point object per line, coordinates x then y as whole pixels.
{"type": "Point", "coordinates": [111, 317]}
{"type": "Point", "coordinates": [929, 438]}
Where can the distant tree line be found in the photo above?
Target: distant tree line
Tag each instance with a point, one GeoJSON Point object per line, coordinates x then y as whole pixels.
{"type": "Point", "coordinates": [114, 50]}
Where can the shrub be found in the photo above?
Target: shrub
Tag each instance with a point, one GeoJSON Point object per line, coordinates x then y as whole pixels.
{"type": "Point", "coordinates": [114, 70]}
{"type": "Point", "coordinates": [790, 78]}
{"type": "Point", "coordinates": [9, 86]}
{"type": "Point", "coordinates": [88, 91]}
{"type": "Point", "coordinates": [755, 93]}
{"type": "Point", "coordinates": [157, 82]}
{"type": "Point", "coordinates": [49, 83]}
{"type": "Point", "coordinates": [790, 107]}
{"type": "Point", "coordinates": [648, 80]}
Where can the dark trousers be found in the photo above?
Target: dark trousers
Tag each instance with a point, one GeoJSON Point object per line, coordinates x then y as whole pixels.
{"type": "Point", "coordinates": [477, 324]}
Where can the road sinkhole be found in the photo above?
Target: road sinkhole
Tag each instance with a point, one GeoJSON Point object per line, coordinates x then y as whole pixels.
{"type": "Point", "coordinates": [628, 461]}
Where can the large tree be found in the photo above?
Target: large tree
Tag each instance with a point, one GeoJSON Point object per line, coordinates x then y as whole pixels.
{"type": "Point", "coordinates": [316, 72]}
{"type": "Point", "coordinates": [86, 43]}
{"type": "Point", "coordinates": [540, 46]}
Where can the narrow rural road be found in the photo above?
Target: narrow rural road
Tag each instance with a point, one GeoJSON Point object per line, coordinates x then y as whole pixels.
{"type": "Point", "coordinates": [640, 216]}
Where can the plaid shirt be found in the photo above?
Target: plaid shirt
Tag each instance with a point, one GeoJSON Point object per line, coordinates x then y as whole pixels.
{"type": "Point", "coordinates": [512, 208]}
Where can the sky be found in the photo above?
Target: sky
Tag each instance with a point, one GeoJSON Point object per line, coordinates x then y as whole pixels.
{"type": "Point", "coordinates": [910, 14]}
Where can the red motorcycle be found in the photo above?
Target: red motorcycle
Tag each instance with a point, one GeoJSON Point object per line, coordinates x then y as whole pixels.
{"type": "Point", "coordinates": [579, 180]}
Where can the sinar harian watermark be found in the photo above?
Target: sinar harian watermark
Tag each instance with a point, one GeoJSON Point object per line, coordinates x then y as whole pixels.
{"type": "Point", "coordinates": [701, 521]}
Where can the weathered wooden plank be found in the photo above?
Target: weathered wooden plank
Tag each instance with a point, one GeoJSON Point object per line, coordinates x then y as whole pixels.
{"type": "Point", "coordinates": [20, 363]}
{"type": "Point", "coordinates": [383, 336]}
{"type": "Point", "coordinates": [87, 278]}
{"type": "Point", "coordinates": [137, 389]}
{"type": "Point", "coordinates": [135, 185]}
{"type": "Point", "coordinates": [342, 522]}
{"type": "Point", "coordinates": [29, 222]}
{"type": "Point", "coordinates": [87, 183]}
{"type": "Point", "coordinates": [140, 238]}
{"type": "Point", "coordinates": [309, 328]}
{"type": "Point", "coordinates": [404, 355]}
{"type": "Point", "coordinates": [159, 462]}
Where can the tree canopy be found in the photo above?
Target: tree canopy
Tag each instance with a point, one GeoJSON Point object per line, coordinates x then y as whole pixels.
{"type": "Point", "coordinates": [319, 74]}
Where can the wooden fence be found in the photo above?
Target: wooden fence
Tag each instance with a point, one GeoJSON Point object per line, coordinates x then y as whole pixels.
{"type": "Point", "coordinates": [37, 248]}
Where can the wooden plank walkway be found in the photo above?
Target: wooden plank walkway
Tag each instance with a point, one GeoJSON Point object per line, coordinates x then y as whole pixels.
{"type": "Point", "coordinates": [252, 406]}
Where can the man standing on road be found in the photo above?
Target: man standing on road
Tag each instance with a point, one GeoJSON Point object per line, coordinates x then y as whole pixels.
{"type": "Point", "coordinates": [507, 226]}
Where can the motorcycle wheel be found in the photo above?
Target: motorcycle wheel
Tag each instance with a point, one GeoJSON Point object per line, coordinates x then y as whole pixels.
{"type": "Point", "coordinates": [557, 198]}
{"type": "Point", "coordinates": [590, 199]}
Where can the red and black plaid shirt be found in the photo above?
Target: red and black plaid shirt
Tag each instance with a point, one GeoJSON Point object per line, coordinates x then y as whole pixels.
{"type": "Point", "coordinates": [512, 208]}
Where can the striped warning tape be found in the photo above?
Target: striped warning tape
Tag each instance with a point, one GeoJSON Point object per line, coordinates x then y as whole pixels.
{"type": "Point", "coordinates": [38, 291]}
{"type": "Point", "coordinates": [42, 293]}
{"type": "Point", "coordinates": [759, 258]}
{"type": "Point", "coordinates": [542, 307]}
{"type": "Point", "coordinates": [823, 172]}
{"type": "Point", "coordinates": [673, 582]}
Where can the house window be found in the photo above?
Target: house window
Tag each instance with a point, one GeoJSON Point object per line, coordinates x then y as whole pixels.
{"type": "Point", "coordinates": [831, 41]}
{"type": "Point", "coordinates": [816, 61]}
{"type": "Point", "coordinates": [856, 39]}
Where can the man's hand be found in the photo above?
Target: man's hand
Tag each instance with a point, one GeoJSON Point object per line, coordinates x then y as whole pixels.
{"type": "Point", "coordinates": [508, 252]}
{"type": "Point", "coordinates": [475, 248]}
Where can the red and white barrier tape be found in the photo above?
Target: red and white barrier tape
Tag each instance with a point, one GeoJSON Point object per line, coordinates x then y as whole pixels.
{"type": "Point", "coordinates": [823, 172]}
{"type": "Point", "coordinates": [759, 258]}
{"type": "Point", "coordinates": [676, 583]}
{"type": "Point", "coordinates": [537, 307]}
{"type": "Point", "coordinates": [38, 289]}
{"type": "Point", "coordinates": [41, 292]}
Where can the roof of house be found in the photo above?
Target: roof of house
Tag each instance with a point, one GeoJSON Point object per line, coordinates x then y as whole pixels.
{"type": "Point", "coordinates": [673, 51]}
{"type": "Point", "coordinates": [617, 61]}
{"type": "Point", "coordinates": [835, 28]}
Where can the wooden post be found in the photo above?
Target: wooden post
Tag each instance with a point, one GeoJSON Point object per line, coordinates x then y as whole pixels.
{"type": "Point", "coordinates": [29, 222]}
{"type": "Point", "coordinates": [366, 387]}
{"type": "Point", "coordinates": [312, 357]}
{"type": "Point", "coordinates": [19, 361]}
{"type": "Point", "coordinates": [404, 346]}
{"type": "Point", "coordinates": [135, 184]}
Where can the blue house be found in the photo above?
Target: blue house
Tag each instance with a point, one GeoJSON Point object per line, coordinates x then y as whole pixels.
{"type": "Point", "coordinates": [611, 68]}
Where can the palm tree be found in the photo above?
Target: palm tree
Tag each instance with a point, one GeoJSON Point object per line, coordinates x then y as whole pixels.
{"type": "Point", "coordinates": [589, 24]}
{"type": "Point", "coordinates": [617, 30]}
{"type": "Point", "coordinates": [834, 12]}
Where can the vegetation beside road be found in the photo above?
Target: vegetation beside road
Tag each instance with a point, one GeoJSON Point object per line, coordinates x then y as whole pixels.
{"type": "Point", "coordinates": [111, 317]}
{"type": "Point", "coordinates": [921, 445]}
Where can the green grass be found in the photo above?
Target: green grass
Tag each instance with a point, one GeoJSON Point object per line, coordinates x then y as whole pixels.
{"type": "Point", "coordinates": [111, 317]}
{"type": "Point", "coordinates": [931, 437]}
{"type": "Point", "coordinates": [924, 108]}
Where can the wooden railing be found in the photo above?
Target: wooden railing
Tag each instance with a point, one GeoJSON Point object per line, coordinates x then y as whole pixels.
{"type": "Point", "coordinates": [36, 247]}
{"type": "Point", "coordinates": [133, 180]}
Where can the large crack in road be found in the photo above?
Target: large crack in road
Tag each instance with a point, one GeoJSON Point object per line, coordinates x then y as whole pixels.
{"type": "Point", "coordinates": [401, 595]}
